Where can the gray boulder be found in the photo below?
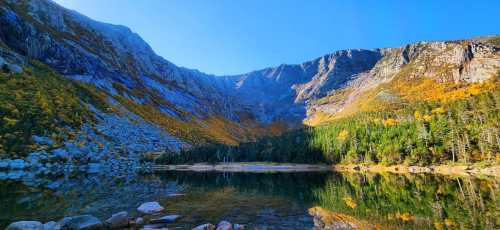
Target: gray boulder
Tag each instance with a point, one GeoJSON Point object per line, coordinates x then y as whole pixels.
{"type": "Point", "coordinates": [118, 220]}
{"type": "Point", "coordinates": [83, 222]}
{"type": "Point", "coordinates": [165, 219]}
{"type": "Point", "coordinates": [224, 225]}
{"type": "Point", "coordinates": [51, 225]}
{"type": "Point", "coordinates": [150, 208]}
{"type": "Point", "coordinates": [17, 164]}
{"type": "Point", "coordinates": [25, 225]}
{"type": "Point", "coordinates": [205, 227]}
{"type": "Point", "coordinates": [4, 163]}
{"type": "Point", "coordinates": [14, 68]}
{"type": "Point", "coordinates": [139, 221]}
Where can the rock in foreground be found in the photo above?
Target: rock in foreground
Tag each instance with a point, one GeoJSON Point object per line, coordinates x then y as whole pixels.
{"type": "Point", "coordinates": [150, 208]}
{"type": "Point", "coordinates": [25, 225]}
{"type": "Point", "coordinates": [83, 222]}
{"type": "Point", "coordinates": [205, 227]}
{"type": "Point", "coordinates": [165, 219]}
{"type": "Point", "coordinates": [118, 220]}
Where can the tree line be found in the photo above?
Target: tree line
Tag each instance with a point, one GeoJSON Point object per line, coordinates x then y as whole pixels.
{"type": "Point", "coordinates": [424, 133]}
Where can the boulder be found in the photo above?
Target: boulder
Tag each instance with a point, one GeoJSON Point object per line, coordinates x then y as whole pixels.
{"type": "Point", "coordinates": [25, 225]}
{"type": "Point", "coordinates": [150, 208]}
{"type": "Point", "coordinates": [139, 221]}
{"type": "Point", "coordinates": [17, 164]}
{"type": "Point", "coordinates": [83, 222]}
{"type": "Point", "coordinates": [224, 225]}
{"type": "Point", "coordinates": [51, 225]}
{"type": "Point", "coordinates": [205, 227]}
{"type": "Point", "coordinates": [238, 227]}
{"type": "Point", "coordinates": [154, 226]}
{"type": "Point", "coordinates": [61, 153]}
{"type": "Point", "coordinates": [93, 168]}
{"type": "Point", "coordinates": [165, 219]}
{"type": "Point", "coordinates": [4, 163]}
{"type": "Point", "coordinates": [118, 220]}
{"type": "Point", "coordinates": [14, 68]}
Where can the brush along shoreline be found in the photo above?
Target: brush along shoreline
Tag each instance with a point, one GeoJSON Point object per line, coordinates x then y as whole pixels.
{"type": "Point", "coordinates": [290, 167]}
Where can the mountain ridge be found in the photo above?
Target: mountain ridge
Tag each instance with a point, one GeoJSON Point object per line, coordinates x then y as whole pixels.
{"type": "Point", "coordinates": [194, 106]}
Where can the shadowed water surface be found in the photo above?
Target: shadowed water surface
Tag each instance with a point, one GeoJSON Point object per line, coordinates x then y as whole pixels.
{"type": "Point", "coordinates": [263, 200]}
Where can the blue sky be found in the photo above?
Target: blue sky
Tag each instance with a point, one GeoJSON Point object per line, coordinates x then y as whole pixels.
{"type": "Point", "coordinates": [237, 36]}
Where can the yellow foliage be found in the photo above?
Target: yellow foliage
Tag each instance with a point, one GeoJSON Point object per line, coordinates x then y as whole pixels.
{"type": "Point", "coordinates": [405, 217]}
{"type": "Point", "coordinates": [390, 122]}
{"type": "Point", "coordinates": [10, 121]}
{"type": "Point", "coordinates": [328, 217]}
{"type": "Point", "coordinates": [427, 117]}
{"type": "Point", "coordinates": [342, 135]}
{"type": "Point", "coordinates": [449, 222]}
{"type": "Point", "coordinates": [438, 226]}
{"type": "Point", "coordinates": [439, 110]}
{"type": "Point", "coordinates": [350, 202]}
{"type": "Point", "coordinates": [418, 115]}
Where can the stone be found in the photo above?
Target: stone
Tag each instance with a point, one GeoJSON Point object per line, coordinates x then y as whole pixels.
{"type": "Point", "coordinates": [14, 68]}
{"type": "Point", "coordinates": [60, 152]}
{"type": "Point", "coordinates": [205, 227]}
{"type": "Point", "coordinates": [4, 163]}
{"type": "Point", "coordinates": [83, 222]}
{"type": "Point", "coordinates": [224, 225]}
{"type": "Point", "coordinates": [93, 168]}
{"type": "Point", "coordinates": [150, 208]}
{"type": "Point", "coordinates": [238, 227]}
{"type": "Point", "coordinates": [51, 225]}
{"type": "Point", "coordinates": [118, 220]}
{"type": "Point", "coordinates": [25, 225]}
{"type": "Point", "coordinates": [165, 219]}
{"type": "Point", "coordinates": [139, 221]}
{"type": "Point", "coordinates": [17, 164]}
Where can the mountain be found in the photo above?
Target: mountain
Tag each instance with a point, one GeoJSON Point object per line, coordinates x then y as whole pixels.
{"type": "Point", "coordinates": [149, 104]}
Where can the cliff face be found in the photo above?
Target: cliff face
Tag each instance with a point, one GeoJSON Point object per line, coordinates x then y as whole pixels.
{"type": "Point", "coordinates": [227, 108]}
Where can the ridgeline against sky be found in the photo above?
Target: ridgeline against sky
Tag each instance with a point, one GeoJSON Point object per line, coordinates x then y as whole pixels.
{"type": "Point", "coordinates": [233, 37]}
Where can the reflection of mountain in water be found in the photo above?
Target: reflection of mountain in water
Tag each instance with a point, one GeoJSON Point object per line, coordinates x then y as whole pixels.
{"type": "Point", "coordinates": [280, 199]}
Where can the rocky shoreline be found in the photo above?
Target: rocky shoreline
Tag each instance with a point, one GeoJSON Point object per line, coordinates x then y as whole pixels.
{"type": "Point", "coordinates": [151, 217]}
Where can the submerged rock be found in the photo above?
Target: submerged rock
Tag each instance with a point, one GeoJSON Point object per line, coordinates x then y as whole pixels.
{"type": "Point", "coordinates": [150, 208]}
{"type": "Point", "coordinates": [205, 227]}
{"type": "Point", "coordinates": [118, 220]}
{"type": "Point", "coordinates": [165, 219]}
{"type": "Point", "coordinates": [25, 225]}
{"type": "Point", "coordinates": [224, 225]}
{"type": "Point", "coordinates": [83, 222]}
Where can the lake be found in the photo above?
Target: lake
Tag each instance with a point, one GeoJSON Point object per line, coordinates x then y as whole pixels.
{"type": "Point", "coordinates": [263, 200]}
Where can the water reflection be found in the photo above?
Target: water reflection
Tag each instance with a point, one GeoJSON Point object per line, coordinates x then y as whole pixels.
{"type": "Point", "coordinates": [282, 200]}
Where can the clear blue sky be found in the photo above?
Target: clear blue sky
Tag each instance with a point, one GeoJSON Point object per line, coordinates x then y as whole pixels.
{"type": "Point", "coordinates": [237, 36]}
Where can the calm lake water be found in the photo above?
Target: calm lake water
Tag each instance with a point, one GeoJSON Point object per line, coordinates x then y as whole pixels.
{"type": "Point", "coordinates": [275, 200]}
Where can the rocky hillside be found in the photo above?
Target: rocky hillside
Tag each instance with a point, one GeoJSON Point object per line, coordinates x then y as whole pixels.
{"type": "Point", "coordinates": [190, 107]}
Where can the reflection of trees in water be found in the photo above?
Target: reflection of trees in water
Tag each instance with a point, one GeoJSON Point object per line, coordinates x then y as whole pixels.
{"type": "Point", "coordinates": [294, 185]}
{"type": "Point", "coordinates": [420, 201]}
